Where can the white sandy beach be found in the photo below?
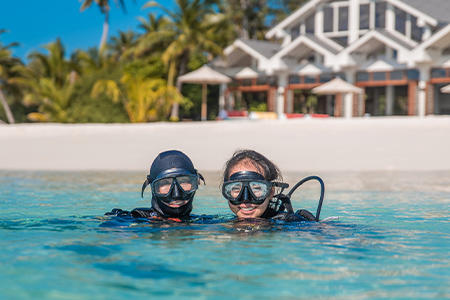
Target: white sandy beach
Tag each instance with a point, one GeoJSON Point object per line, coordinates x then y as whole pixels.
{"type": "Point", "coordinates": [302, 145]}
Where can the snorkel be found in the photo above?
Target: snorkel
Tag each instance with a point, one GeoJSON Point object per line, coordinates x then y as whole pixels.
{"type": "Point", "coordinates": [172, 165]}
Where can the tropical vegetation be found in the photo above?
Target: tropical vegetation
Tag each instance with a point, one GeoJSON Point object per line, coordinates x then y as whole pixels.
{"type": "Point", "coordinates": [132, 76]}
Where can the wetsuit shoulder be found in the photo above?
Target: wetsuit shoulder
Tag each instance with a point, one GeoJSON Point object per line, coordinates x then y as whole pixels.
{"type": "Point", "coordinates": [143, 212]}
{"type": "Point", "coordinates": [293, 217]}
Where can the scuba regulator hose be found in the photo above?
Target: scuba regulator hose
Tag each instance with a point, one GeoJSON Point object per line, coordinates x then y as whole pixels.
{"type": "Point", "coordinates": [322, 192]}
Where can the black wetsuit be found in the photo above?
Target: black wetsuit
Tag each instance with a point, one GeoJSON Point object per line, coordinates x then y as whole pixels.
{"type": "Point", "coordinates": [143, 212]}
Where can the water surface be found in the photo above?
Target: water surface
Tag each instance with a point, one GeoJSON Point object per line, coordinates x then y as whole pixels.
{"type": "Point", "coordinates": [391, 241]}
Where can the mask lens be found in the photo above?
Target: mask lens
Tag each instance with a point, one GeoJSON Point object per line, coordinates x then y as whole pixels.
{"type": "Point", "coordinates": [232, 190]}
{"type": "Point", "coordinates": [163, 186]}
{"type": "Point", "coordinates": [259, 189]}
{"type": "Point", "coordinates": [187, 183]}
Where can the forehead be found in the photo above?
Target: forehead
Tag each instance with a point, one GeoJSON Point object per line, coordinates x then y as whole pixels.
{"type": "Point", "coordinates": [244, 165]}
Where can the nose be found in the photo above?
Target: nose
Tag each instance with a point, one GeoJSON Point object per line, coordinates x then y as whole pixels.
{"type": "Point", "coordinates": [175, 192]}
{"type": "Point", "coordinates": [245, 195]}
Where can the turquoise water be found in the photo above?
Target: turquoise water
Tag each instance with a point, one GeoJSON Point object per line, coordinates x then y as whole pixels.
{"type": "Point", "coordinates": [391, 241]}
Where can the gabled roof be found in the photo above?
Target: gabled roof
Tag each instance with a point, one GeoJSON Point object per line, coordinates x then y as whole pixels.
{"type": "Point", "coordinates": [381, 65]}
{"type": "Point", "coordinates": [309, 41]}
{"type": "Point", "coordinates": [394, 38]}
{"type": "Point", "coordinates": [438, 9]}
{"type": "Point", "coordinates": [312, 69]}
{"type": "Point", "coordinates": [323, 44]}
{"type": "Point", "coordinates": [379, 36]}
{"type": "Point", "coordinates": [265, 48]}
{"type": "Point", "coordinates": [246, 73]}
{"type": "Point", "coordinates": [277, 29]}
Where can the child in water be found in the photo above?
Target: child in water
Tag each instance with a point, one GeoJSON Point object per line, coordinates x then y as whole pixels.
{"type": "Point", "coordinates": [173, 180]}
{"type": "Point", "coordinates": [249, 183]}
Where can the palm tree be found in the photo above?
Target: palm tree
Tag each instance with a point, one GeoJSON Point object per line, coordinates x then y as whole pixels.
{"type": "Point", "coordinates": [7, 62]}
{"type": "Point", "coordinates": [190, 30]}
{"type": "Point", "coordinates": [49, 83]}
{"type": "Point", "coordinates": [144, 99]}
{"type": "Point", "coordinates": [150, 43]}
{"type": "Point", "coordinates": [104, 8]}
{"type": "Point", "coordinates": [121, 45]}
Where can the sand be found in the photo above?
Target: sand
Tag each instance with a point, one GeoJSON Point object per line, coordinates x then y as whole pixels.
{"type": "Point", "coordinates": [301, 145]}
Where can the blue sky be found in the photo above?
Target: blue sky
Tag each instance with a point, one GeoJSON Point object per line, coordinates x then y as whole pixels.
{"type": "Point", "coordinates": [35, 23]}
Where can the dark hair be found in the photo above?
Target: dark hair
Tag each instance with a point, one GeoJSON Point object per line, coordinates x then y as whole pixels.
{"type": "Point", "coordinates": [267, 168]}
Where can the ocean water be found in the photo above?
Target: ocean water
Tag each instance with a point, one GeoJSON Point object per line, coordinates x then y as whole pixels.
{"type": "Point", "coordinates": [391, 241]}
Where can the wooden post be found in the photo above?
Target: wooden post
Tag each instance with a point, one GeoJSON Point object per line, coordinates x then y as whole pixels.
{"type": "Point", "coordinates": [204, 93]}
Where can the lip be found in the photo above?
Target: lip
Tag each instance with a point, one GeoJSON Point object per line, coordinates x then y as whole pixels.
{"type": "Point", "coordinates": [177, 203]}
{"type": "Point", "coordinates": [247, 210]}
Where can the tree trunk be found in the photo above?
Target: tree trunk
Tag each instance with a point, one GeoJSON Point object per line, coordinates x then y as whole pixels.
{"type": "Point", "coordinates": [245, 23]}
{"type": "Point", "coordinates": [174, 115]}
{"type": "Point", "coordinates": [105, 30]}
{"type": "Point", "coordinates": [8, 112]}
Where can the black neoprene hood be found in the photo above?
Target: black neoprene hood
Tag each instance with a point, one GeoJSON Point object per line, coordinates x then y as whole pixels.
{"type": "Point", "coordinates": [169, 160]}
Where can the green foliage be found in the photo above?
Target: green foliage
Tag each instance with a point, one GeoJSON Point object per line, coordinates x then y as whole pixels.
{"type": "Point", "coordinates": [85, 109]}
{"type": "Point", "coordinates": [262, 106]}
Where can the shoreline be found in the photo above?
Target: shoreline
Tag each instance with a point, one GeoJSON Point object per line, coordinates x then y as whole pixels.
{"type": "Point", "coordinates": [295, 145]}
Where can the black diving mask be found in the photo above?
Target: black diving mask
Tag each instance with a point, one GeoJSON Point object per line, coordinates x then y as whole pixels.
{"type": "Point", "coordinates": [174, 183]}
{"type": "Point", "coordinates": [164, 186]}
{"type": "Point", "coordinates": [248, 187]}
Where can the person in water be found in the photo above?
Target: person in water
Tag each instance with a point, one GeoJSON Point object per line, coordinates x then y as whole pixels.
{"type": "Point", "coordinates": [174, 181]}
{"type": "Point", "coordinates": [249, 184]}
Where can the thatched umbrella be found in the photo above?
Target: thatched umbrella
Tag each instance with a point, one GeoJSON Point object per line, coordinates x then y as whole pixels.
{"type": "Point", "coordinates": [205, 75]}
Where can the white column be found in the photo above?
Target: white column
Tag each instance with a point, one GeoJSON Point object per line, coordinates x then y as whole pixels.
{"type": "Point", "coordinates": [372, 15]}
{"type": "Point", "coordinates": [390, 17]}
{"type": "Point", "coordinates": [222, 89]}
{"type": "Point", "coordinates": [283, 79]}
{"type": "Point", "coordinates": [408, 27]}
{"type": "Point", "coordinates": [424, 77]}
{"type": "Point", "coordinates": [318, 20]}
{"type": "Point", "coordinates": [353, 21]}
{"type": "Point", "coordinates": [348, 97]}
{"type": "Point", "coordinates": [390, 96]}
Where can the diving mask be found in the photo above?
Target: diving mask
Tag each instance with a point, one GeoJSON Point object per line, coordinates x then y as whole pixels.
{"type": "Point", "coordinates": [249, 187]}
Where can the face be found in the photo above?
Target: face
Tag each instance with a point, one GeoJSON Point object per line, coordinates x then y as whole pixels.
{"type": "Point", "coordinates": [249, 210]}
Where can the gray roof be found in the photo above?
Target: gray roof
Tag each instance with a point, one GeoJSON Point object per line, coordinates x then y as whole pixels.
{"type": "Point", "coordinates": [321, 43]}
{"type": "Point", "coordinates": [390, 36]}
{"type": "Point", "coordinates": [438, 9]}
{"type": "Point", "coordinates": [268, 49]}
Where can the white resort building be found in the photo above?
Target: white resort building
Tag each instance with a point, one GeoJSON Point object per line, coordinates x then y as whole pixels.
{"type": "Point", "coordinates": [398, 51]}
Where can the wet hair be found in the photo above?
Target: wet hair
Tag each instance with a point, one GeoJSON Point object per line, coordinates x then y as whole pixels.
{"type": "Point", "coordinates": [267, 168]}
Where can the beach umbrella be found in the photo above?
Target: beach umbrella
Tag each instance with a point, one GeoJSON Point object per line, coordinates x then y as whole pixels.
{"type": "Point", "coordinates": [205, 75]}
{"type": "Point", "coordinates": [445, 89]}
{"type": "Point", "coordinates": [337, 86]}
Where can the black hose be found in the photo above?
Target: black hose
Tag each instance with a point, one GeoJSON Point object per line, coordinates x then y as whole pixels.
{"type": "Point", "coordinates": [322, 192]}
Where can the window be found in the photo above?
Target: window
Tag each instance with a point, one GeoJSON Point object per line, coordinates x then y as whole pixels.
{"type": "Point", "coordinates": [295, 32]}
{"type": "Point", "coordinates": [380, 15]}
{"type": "Point", "coordinates": [400, 20]}
{"type": "Point", "coordinates": [294, 79]}
{"type": "Point", "coordinates": [364, 16]}
{"type": "Point", "coordinates": [309, 24]}
{"type": "Point", "coordinates": [379, 76]}
{"type": "Point", "coordinates": [343, 18]}
{"type": "Point", "coordinates": [362, 76]}
{"type": "Point", "coordinates": [328, 19]}
{"type": "Point", "coordinates": [416, 32]}
{"type": "Point", "coordinates": [438, 73]}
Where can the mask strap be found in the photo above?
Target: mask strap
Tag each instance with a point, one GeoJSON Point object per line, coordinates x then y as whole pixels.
{"type": "Point", "coordinates": [200, 177]}
{"type": "Point", "coordinates": [146, 183]}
